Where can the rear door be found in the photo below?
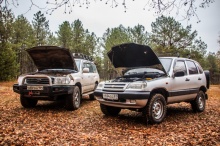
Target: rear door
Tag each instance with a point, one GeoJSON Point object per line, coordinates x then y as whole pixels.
{"type": "Point", "coordinates": [90, 80]}
{"type": "Point", "coordinates": [194, 76]}
{"type": "Point", "coordinates": [85, 78]}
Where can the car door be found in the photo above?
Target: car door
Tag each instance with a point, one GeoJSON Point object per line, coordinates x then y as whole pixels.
{"type": "Point", "coordinates": [181, 85]}
{"type": "Point", "coordinates": [194, 76]}
{"type": "Point", "coordinates": [85, 78]}
{"type": "Point", "coordinates": [90, 76]}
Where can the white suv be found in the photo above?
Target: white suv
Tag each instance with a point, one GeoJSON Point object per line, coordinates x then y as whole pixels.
{"type": "Point", "coordinates": [148, 83]}
{"type": "Point", "coordinates": [60, 75]}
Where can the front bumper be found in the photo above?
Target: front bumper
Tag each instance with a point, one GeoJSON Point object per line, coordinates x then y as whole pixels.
{"type": "Point", "coordinates": [126, 99]}
{"type": "Point", "coordinates": [48, 92]}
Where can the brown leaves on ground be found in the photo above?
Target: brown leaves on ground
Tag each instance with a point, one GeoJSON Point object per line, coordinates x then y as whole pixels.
{"type": "Point", "coordinates": [50, 124]}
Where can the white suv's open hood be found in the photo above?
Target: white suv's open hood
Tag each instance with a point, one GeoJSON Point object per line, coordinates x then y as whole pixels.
{"type": "Point", "coordinates": [131, 55]}
{"type": "Point", "coordinates": [52, 57]}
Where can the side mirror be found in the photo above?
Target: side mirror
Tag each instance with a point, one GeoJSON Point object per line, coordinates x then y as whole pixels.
{"type": "Point", "coordinates": [85, 70]}
{"type": "Point", "coordinates": [179, 74]}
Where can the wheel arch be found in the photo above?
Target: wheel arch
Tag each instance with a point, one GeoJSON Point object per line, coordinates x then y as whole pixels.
{"type": "Point", "coordinates": [162, 91]}
{"type": "Point", "coordinates": [203, 88]}
{"type": "Point", "coordinates": [80, 86]}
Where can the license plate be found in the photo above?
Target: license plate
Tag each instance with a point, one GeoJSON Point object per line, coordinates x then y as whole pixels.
{"type": "Point", "coordinates": [110, 96]}
{"type": "Point", "coordinates": [35, 88]}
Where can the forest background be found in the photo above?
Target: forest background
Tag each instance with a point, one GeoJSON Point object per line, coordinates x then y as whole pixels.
{"type": "Point", "coordinates": [167, 37]}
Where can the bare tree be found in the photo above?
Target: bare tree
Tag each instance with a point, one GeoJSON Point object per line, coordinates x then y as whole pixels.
{"type": "Point", "coordinates": [158, 6]}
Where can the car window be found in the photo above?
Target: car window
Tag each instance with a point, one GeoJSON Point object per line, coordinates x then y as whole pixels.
{"type": "Point", "coordinates": [199, 68]}
{"type": "Point", "coordinates": [180, 66]}
{"type": "Point", "coordinates": [94, 68]}
{"type": "Point", "coordinates": [191, 67]}
{"type": "Point", "coordinates": [89, 66]}
{"type": "Point", "coordinates": [166, 62]}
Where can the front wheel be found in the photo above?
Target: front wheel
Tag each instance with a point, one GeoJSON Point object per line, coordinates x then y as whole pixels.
{"type": "Point", "coordinates": [198, 105]}
{"type": "Point", "coordinates": [156, 109]}
{"type": "Point", "coordinates": [28, 102]}
{"type": "Point", "coordinates": [73, 100]}
{"type": "Point", "coordinates": [109, 110]}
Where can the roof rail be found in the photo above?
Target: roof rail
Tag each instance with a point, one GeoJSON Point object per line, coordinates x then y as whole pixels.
{"type": "Point", "coordinates": [82, 56]}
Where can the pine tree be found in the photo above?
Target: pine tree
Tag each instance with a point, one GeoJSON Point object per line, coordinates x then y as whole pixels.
{"type": "Point", "coordinates": [8, 65]}
{"type": "Point", "coordinates": [41, 28]}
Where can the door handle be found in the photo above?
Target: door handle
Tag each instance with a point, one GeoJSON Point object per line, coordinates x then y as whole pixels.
{"type": "Point", "coordinates": [187, 79]}
{"type": "Point", "coordinates": [199, 78]}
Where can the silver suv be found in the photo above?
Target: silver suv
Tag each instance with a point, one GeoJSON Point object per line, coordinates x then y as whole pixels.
{"type": "Point", "coordinates": [148, 83]}
{"type": "Point", "coordinates": [60, 75]}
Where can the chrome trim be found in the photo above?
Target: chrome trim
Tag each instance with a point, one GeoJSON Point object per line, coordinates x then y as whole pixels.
{"type": "Point", "coordinates": [37, 76]}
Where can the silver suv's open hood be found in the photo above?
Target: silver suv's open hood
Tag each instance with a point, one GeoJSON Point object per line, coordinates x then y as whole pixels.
{"type": "Point", "coordinates": [52, 57]}
{"type": "Point", "coordinates": [131, 55]}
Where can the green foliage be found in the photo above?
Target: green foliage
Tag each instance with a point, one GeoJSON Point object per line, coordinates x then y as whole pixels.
{"type": "Point", "coordinates": [6, 19]}
{"type": "Point", "coordinates": [78, 34]}
{"type": "Point", "coordinates": [76, 38]}
{"type": "Point", "coordinates": [22, 38]}
{"type": "Point", "coordinates": [64, 34]}
{"type": "Point", "coordinates": [111, 38]}
{"type": "Point", "coordinates": [169, 37]}
{"type": "Point", "coordinates": [138, 35]}
{"type": "Point", "coordinates": [41, 28]}
{"type": "Point", "coordinates": [52, 40]}
{"type": "Point", "coordinates": [8, 65]}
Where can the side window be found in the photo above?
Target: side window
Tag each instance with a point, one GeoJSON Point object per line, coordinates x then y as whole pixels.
{"type": "Point", "coordinates": [199, 68]}
{"type": "Point", "coordinates": [88, 65]}
{"type": "Point", "coordinates": [180, 66]}
{"type": "Point", "coordinates": [94, 68]}
{"type": "Point", "coordinates": [192, 67]}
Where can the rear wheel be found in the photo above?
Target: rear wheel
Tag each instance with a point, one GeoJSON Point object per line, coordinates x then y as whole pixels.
{"type": "Point", "coordinates": [109, 110]}
{"type": "Point", "coordinates": [156, 109]}
{"type": "Point", "coordinates": [198, 105]}
{"type": "Point", "coordinates": [73, 100]}
{"type": "Point", "coordinates": [28, 102]}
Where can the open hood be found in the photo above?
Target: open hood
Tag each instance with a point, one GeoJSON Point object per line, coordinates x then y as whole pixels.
{"type": "Point", "coordinates": [52, 57]}
{"type": "Point", "coordinates": [131, 55]}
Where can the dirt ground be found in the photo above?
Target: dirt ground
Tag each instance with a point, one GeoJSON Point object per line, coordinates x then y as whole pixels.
{"type": "Point", "coordinates": [50, 124]}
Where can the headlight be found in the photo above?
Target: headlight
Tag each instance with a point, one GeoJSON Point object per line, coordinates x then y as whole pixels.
{"type": "Point", "coordinates": [137, 86]}
{"type": "Point", "coordinates": [100, 85]}
{"type": "Point", "coordinates": [62, 80]}
{"type": "Point", "coordinates": [20, 80]}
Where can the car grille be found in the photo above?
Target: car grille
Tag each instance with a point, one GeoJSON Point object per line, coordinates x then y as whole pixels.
{"type": "Point", "coordinates": [114, 87]}
{"type": "Point", "coordinates": [37, 81]}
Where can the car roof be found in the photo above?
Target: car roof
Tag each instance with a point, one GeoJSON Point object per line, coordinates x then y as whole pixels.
{"type": "Point", "coordinates": [179, 58]}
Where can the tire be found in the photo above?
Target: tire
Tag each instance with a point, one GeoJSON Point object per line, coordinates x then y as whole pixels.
{"type": "Point", "coordinates": [109, 111]}
{"type": "Point", "coordinates": [198, 105]}
{"type": "Point", "coordinates": [156, 109]}
{"type": "Point", "coordinates": [73, 100]}
{"type": "Point", "coordinates": [207, 75]}
{"type": "Point", "coordinates": [28, 102]}
{"type": "Point", "coordinates": [91, 96]}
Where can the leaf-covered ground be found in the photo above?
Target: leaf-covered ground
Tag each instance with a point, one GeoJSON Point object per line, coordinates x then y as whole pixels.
{"type": "Point", "coordinates": [50, 124]}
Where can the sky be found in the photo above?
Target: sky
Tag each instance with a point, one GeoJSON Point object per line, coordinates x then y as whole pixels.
{"type": "Point", "coordinates": [100, 16]}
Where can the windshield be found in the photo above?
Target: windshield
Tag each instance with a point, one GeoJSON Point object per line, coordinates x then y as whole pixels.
{"type": "Point", "coordinates": [142, 70]}
{"type": "Point", "coordinates": [166, 62]}
{"type": "Point", "coordinates": [57, 71]}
